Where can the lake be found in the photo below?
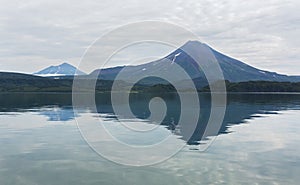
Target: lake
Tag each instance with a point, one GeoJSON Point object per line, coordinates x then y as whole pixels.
{"type": "Point", "coordinates": [257, 143]}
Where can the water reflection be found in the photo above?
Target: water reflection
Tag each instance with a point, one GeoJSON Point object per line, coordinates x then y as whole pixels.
{"type": "Point", "coordinates": [58, 107]}
{"type": "Point", "coordinates": [39, 148]}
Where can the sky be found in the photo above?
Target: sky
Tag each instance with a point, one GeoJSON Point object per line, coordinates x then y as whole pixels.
{"type": "Point", "coordinates": [35, 34]}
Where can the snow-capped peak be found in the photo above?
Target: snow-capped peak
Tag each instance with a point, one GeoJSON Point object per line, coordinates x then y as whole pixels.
{"type": "Point", "coordinates": [63, 69]}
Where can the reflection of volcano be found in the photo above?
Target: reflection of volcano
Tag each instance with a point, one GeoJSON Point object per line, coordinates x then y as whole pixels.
{"type": "Point", "coordinates": [57, 107]}
{"type": "Point", "coordinates": [58, 113]}
{"type": "Point", "coordinates": [239, 108]}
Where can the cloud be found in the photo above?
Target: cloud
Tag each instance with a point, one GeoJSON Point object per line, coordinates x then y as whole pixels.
{"type": "Point", "coordinates": [260, 33]}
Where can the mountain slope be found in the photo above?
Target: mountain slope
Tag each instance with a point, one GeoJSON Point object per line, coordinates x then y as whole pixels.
{"type": "Point", "coordinates": [237, 71]}
{"type": "Point", "coordinates": [63, 69]}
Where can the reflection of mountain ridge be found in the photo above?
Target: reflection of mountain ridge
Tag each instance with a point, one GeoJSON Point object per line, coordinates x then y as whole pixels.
{"type": "Point", "coordinates": [57, 107]}
{"type": "Point", "coordinates": [55, 113]}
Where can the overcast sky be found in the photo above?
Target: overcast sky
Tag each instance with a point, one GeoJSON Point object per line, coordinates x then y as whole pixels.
{"type": "Point", "coordinates": [36, 33]}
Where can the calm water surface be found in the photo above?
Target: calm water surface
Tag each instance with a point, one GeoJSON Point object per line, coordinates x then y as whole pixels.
{"type": "Point", "coordinates": [258, 143]}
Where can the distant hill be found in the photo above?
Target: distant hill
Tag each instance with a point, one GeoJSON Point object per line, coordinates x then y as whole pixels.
{"type": "Point", "coordinates": [260, 86]}
{"type": "Point", "coordinates": [63, 69]}
{"type": "Point", "coordinates": [17, 82]}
